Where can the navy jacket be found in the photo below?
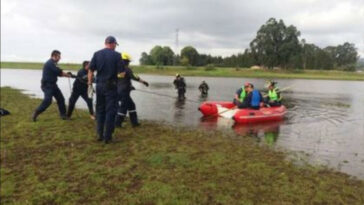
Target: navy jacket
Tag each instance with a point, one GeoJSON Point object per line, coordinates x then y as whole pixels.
{"type": "Point", "coordinates": [81, 80]}
{"type": "Point", "coordinates": [50, 72]}
{"type": "Point", "coordinates": [108, 64]}
{"type": "Point", "coordinates": [124, 81]}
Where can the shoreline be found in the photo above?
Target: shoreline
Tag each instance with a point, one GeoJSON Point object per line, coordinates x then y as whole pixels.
{"type": "Point", "coordinates": [216, 72]}
{"type": "Point", "coordinates": [42, 161]}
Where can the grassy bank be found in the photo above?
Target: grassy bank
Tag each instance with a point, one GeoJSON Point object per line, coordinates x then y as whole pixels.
{"type": "Point", "coordinates": [217, 72]}
{"type": "Point", "coordinates": [37, 65]}
{"type": "Point", "coordinates": [54, 161]}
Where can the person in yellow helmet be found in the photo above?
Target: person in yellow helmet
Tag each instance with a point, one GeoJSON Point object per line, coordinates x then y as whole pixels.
{"type": "Point", "coordinates": [124, 87]}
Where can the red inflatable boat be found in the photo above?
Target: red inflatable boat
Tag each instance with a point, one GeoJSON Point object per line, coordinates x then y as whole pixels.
{"type": "Point", "coordinates": [227, 109]}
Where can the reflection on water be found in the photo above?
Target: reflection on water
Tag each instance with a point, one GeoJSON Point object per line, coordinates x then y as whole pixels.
{"type": "Point", "coordinates": [179, 109]}
{"type": "Point", "coordinates": [267, 132]}
{"type": "Point", "coordinates": [325, 119]}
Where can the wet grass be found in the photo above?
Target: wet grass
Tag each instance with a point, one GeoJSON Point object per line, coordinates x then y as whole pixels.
{"type": "Point", "coordinates": [56, 162]}
{"type": "Point", "coordinates": [217, 72]}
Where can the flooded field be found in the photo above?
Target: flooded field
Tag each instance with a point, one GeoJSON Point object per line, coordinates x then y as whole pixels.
{"type": "Point", "coordinates": [325, 119]}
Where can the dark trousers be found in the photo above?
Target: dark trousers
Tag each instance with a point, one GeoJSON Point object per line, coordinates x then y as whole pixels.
{"type": "Point", "coordinates": [76, 93]}
{"type": "Point", "coordinates": [181, 93]}
{"type": "Point", "coordinates": [204, 92]}
{"type": "Point", "coordinates": [272, 103]}
{"type": "Point", "coordinates": [106, 104]}
{"type": "Point", "coordinates": [50, 91]}
{"type": "Point", "coordinates": [239, 104]}
{"type": "Point", "coordinates": [126, 104]}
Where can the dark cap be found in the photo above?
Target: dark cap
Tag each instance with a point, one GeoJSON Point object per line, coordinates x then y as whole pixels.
{"type": "Point", "coordinates": [111, 39]}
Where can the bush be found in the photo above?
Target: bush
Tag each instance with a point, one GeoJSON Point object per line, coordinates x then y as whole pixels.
{"type": "Point", "coordinates": [189, 67]}
{"type": "Point", "coordinates": [210, 67]}
{"type": "Point", "coordinates": [350, 67]}
{"type": "Point", "coordinates": [159, 67]}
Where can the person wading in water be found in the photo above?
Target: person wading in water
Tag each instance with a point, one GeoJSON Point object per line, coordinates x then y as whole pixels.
{"type": "Point", "coordinates": [180, 85]}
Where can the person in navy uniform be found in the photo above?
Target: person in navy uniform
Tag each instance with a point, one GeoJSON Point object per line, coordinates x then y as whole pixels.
{"type": "Point", "coordinates": [80, 89]}
{"type": "Point", "coordinates": [125, 102]}
{"type": "Point", "coordinates": [107, 63]}
{"type": "Point", "coordinates": [49, 86]}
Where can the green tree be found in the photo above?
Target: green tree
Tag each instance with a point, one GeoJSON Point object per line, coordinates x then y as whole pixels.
{"type": "Point", "coordinates": [168, 55]}
{"type": "Point", "coordinates": [275, 44]}
{"type": "Point", "coordinates": [191, 54]}
{"type": "Point", "coordinates": [185, 61]}
{"type": "Point", "coordinates": [324, 60]}
{"type": "Point", "coordinates": [309, 56]}
{"type": "Point", "coordinates": [156, 54]}
{"type": "Point", "coordinates": [145, 59]}
{"type": "Point", "coordinates": [346, 55]}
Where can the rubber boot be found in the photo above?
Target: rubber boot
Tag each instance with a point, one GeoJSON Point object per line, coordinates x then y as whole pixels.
{"type": "Point", "coordinates": [119, 119]}
{"type": "Point", "coordinates": [35, 115]}
{"type": "Point", "coordinates": [134, 119]}
{"type": "Point", "coordinates": [69, 112]}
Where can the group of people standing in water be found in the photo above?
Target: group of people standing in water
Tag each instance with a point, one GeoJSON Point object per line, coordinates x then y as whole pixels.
{"type": "Point", "coordinates": [180, 85]}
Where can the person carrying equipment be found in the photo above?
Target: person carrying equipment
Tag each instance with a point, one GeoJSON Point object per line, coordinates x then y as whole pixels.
{"type": "Point", "coordinates": [241, 97]}
{"type": "Point", "coordinates": [49, 86]}
{"type": "Point", "coordinates": [80, 89]}
{"type": "Point", "coordinates": [274, 96]}
{"type": "Point", "coordinates": [254, 98]}
{"type": "Point", "coordinates": [107, 63]}
{"type": "Point", "coordinates": [124, 87]}
{"type": "Point", "coordinates": [180, 84]}
{"type": "Point", "coordinates": [204, 88]}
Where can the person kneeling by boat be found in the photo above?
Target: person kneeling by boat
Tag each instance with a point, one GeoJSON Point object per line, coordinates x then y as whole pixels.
{"type": "Point", "coordinates": [124, 86]}
{"type": "Point", "coordinates": [241, 97]}
{"type": "Point", "coordinates": [80, 89]}
{"type": "Point", "coordinates": [255, 98]}
{"type": "Point", "coordinates": [274, 96]}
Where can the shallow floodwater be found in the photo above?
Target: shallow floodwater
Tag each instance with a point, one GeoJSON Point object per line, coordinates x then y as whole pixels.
{"type": "Point", "coordinates": [325, 118]}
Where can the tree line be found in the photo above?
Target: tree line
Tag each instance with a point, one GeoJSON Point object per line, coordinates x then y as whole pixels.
{"type": "Point", "coordinates": [275, 45]}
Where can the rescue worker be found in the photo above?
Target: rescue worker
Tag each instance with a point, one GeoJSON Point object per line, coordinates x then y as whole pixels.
{"type": "Point", "coordinates": [180, 85]}
{"type": "Point", "coordinates": [274, 96]}
{"type": "Point", "coordinates": [204, 88]}
{"type": "Point", "coordinates": [254, 98]}
{"type": "Point", "coordinates": [80, 89]}
{"type": "Point", "coordinates": [241, 97]}
{"type": "Point", "coordinates": [49, 86]}
{"type": "Point", "coordinates": [107, 63]}
{"type": "Point", "coordinates": [125, 102]}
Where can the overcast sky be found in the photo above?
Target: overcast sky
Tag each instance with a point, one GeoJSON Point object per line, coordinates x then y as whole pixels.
{"type": "Point", "coordinates": [31, 29]}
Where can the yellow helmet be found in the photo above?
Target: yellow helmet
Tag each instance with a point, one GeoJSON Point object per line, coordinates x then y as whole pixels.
{"type": "Point", "coordinates": [125, 56]}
